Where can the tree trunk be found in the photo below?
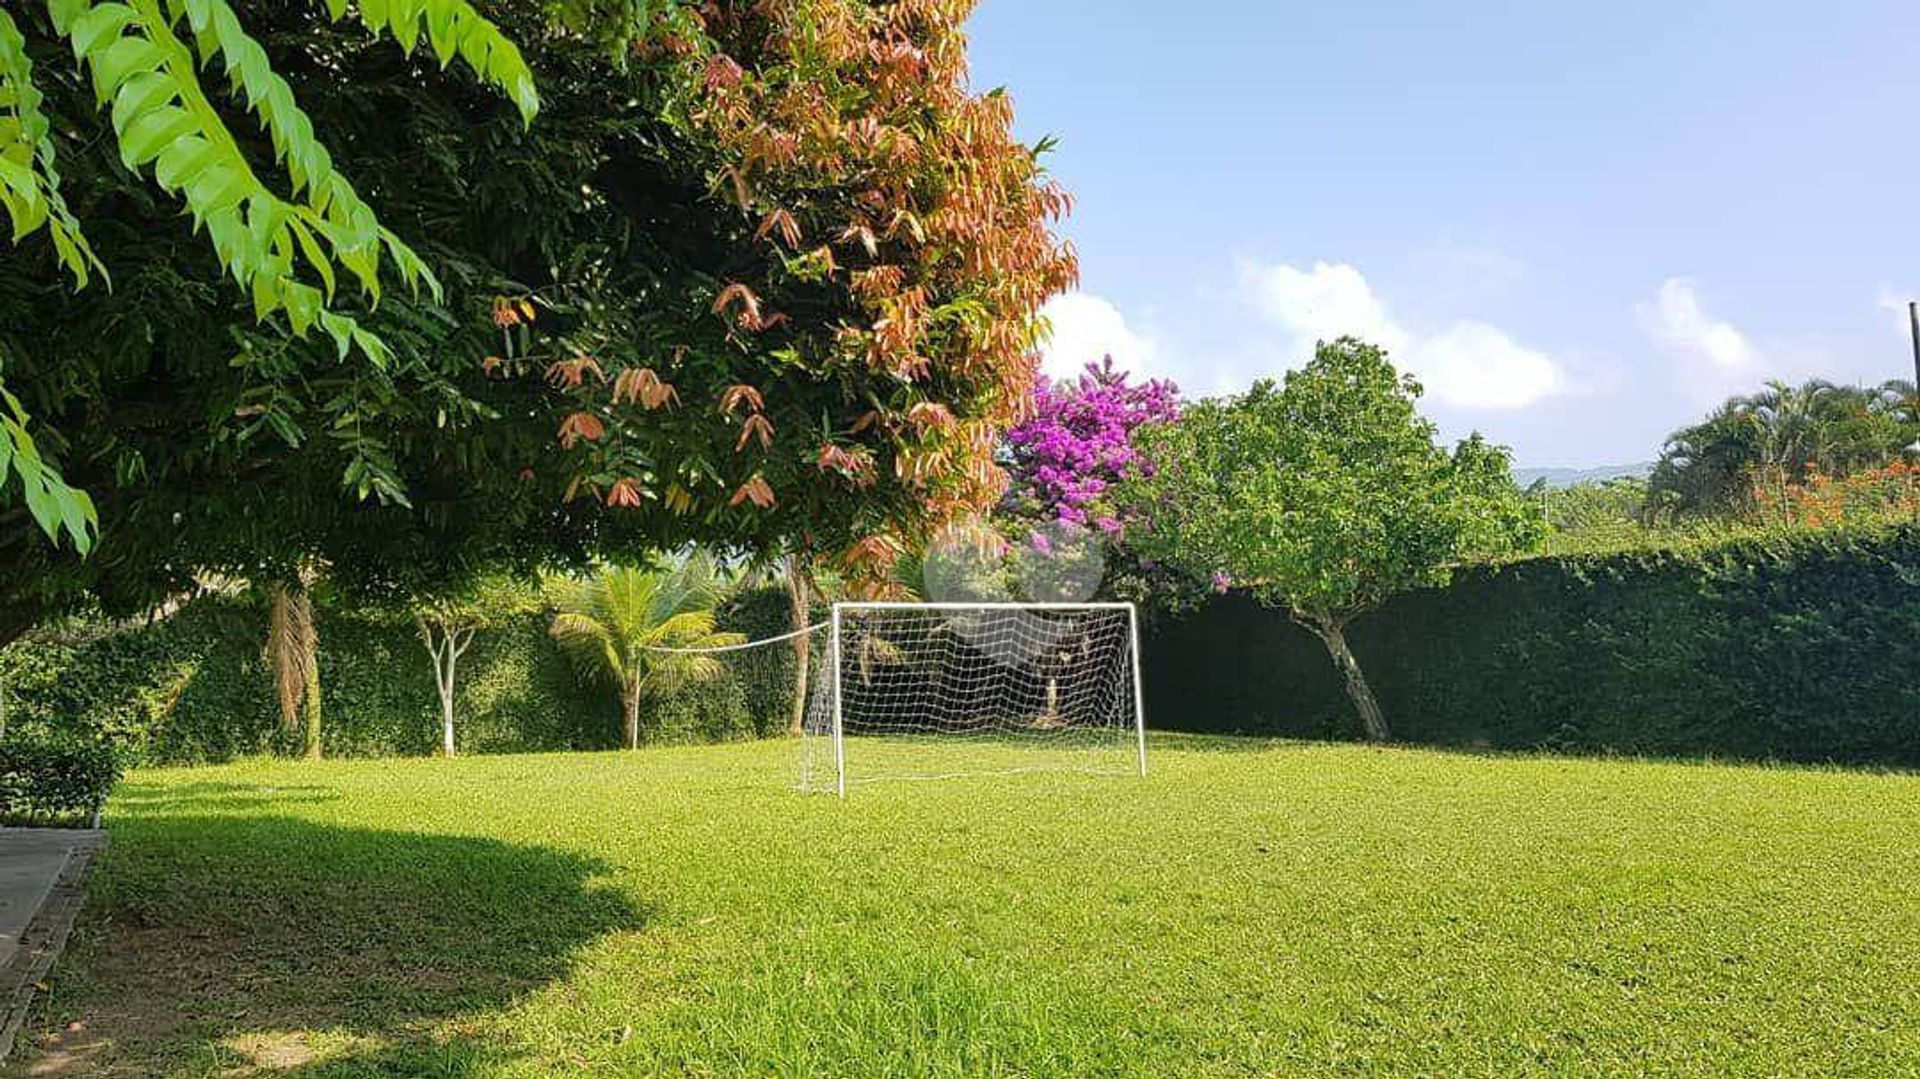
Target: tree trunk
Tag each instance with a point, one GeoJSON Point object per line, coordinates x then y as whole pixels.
{"type": "Point", "coordinates": [632, 705]}
{"type": "Point", "coordinates": [1371, 718]}
{"type": "Point", "coordinates": [446, 700]}
{"type": "Point", "coordinates": [311, 741]}
{"type": "Point", "coordinates": [802, 608]}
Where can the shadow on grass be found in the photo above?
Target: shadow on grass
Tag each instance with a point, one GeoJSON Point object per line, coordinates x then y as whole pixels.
{"type": "Point", "coordinates": [215, 797]}
{"type": "Point", "coordinates": [1187, 742]}
{"type": "Point", "coordinates": [273, 946]}
{"type": "Point", "coordinates": [1184, 742]}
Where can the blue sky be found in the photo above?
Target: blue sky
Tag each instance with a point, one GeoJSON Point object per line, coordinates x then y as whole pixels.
{"type": "Point", "coordinates": [1580, 226]}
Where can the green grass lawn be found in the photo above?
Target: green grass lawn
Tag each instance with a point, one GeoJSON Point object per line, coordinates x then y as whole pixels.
{"type": "Point", "coordinates": [1249, 909]}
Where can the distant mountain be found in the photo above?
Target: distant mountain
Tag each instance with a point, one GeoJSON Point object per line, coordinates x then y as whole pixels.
{"type": "Point", "coordinates": [1567, 477]}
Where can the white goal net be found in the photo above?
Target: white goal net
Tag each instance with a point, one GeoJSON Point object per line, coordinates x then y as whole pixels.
{"type": "Point", "coordinates": [927, 690]}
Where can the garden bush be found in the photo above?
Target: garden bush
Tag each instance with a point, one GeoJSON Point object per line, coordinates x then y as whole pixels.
{"type": "Point", "coordinates": [51, 782]}
{"type": "Point", "coordinates": [1794, 646]}
{"type": "Point", "coordinates": [194, 687]}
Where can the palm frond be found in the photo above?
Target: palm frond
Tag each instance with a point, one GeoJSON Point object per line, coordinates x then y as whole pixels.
{"type": "Point", "coordinates": [589, 639]}
{"type": "Point", "coordinates": [623, 614]}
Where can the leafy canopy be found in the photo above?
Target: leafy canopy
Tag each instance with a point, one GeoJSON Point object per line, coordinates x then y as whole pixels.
{"type": "Point", "coordinates": [1325, 494]}
{"type": "Point", "coordinates": [765, 281]}
{"type": "Point", "coordinates": [151, 68]}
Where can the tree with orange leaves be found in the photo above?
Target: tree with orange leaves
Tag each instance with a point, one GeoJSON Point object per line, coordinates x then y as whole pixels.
{"type": "Point", "coordinates": [759, 275]}
{"type": "Point", "coordinates": [874, 330]}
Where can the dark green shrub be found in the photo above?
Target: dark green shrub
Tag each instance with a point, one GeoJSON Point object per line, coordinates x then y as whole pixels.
{"type": "Point", "coordinates": [1795, 647]}
{"type": "Point", "coordinates": [194, 688]}
{"type": "Point", "coordinates": [49, 782]}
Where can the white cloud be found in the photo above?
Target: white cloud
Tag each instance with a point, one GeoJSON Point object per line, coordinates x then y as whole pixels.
{"type": "Point", "coordinates": [1678, 322]}
{"type": "Point", "coordinates": [1466, 364]}
{"type": "Point", "coordinates": [1329, 301]}
{"type": "Point", "coordinates": [1473, 364]}
{"type": "Point", "coordinates": [1087, 327]}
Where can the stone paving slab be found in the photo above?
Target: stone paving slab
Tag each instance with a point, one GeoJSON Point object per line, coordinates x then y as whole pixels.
{"type": "Point", "coordinates": [43, 876]}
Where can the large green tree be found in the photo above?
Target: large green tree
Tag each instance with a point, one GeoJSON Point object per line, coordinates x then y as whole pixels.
{"type": "Point", "coordinates": [699, 298]}
{"type": "Point", "coordinates": [1324, 495]}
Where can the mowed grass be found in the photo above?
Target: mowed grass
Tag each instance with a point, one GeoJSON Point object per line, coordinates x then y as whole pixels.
{"type": "Point", "coordinates": [1249, 909]}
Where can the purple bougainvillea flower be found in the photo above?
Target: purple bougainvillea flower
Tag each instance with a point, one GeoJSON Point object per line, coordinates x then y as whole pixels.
{"type": "Point", "coordinates": [1079, 443]}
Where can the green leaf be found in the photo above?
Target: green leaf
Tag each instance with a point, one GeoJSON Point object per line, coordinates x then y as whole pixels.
{"type": "Point", "coordinates": [453, 28]}
{"type": "Point", "coordinates": [29, 181]}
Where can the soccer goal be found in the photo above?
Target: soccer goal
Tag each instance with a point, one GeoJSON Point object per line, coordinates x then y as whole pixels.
{"type": "Point", "coordinates": [931, 690]}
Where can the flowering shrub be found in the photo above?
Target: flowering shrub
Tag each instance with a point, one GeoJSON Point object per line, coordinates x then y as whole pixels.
{"type": "Point", "coordinates": [1888, 493]}
{"type": "Point", "coordinates": [1079, 444]}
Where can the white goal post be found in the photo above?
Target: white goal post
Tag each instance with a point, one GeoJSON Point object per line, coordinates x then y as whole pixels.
{"type": "Point", "coordinates": [930, 690]}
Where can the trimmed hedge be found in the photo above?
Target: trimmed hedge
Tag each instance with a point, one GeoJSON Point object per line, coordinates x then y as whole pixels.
{"type": "Point", "coordinates": [1801, 647]}
{"type": "Point", "coordinates": [44, 782]}
{"type": "Point", "coordinates": [194, 688]}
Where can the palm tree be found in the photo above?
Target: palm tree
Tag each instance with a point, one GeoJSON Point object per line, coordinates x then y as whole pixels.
{"type": "Point", "coordinates": [642, 628]}
{"type": "Point", "coordinates": [1776, 437]}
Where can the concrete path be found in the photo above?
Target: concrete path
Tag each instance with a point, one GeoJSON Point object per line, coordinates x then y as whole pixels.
{"type": "Point", "coordinates": [43, 873]}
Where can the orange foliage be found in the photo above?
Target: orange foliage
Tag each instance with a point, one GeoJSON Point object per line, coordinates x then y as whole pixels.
{"type": "Point", "coordinates": [756, 491]}
{"type": "Point", "coordinates": [643, 386]}
{"type": "Point", "coordinates": [565, 374]}
{"type": "Point", "coordinates": [624, 492]}
{"type": "Point", "coordinates": [852, 123]}
{"type": "Point", "coordinates": [943, 237]}
{"type": "Point", "coordinates": [579, 426]}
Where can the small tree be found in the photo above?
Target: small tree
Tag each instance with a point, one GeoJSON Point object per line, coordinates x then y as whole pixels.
{"type": "Point", "coordinates": [1325, 496]}
{"type": "Point", "coordinates": [448, 622]}
{"type": "Point", "coordinates": [626, 623]}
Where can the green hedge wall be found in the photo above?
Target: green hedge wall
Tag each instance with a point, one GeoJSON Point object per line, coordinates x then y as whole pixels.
{"type": "Point", "coordinates": [1799, 647]}
{"type": "Point", "coordinates": [194, 688]}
